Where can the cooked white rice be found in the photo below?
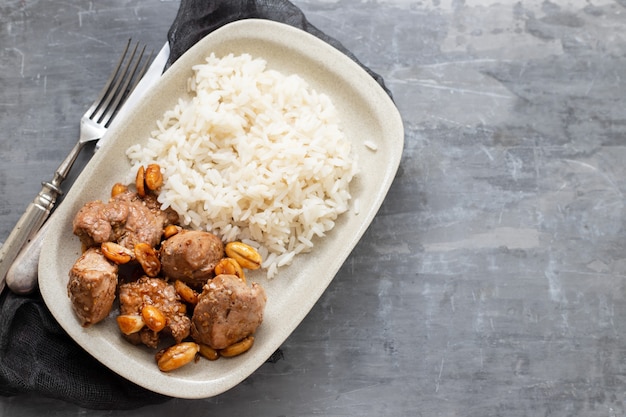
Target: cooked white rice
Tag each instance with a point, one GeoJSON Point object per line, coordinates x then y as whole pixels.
{"type": "Point", "coordinates": [255, 155]}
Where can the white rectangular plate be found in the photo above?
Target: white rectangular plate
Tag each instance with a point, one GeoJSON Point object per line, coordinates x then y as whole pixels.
{"type": "Point", "coordinates": [367, 115]}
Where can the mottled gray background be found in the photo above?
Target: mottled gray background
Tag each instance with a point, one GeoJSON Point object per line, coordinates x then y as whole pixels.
{"type": "Point", "coordinates": [491, 283]}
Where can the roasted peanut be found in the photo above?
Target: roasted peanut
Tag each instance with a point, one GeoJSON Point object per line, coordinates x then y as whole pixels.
{"type": "Point", "coordinates": [153, 177]}
{"type": "Point", "coordinates": [231, 267]}
{"type": "Point", "coordinates": [244, 254]}
{"type": "Point", "coordinates": [153, 317]}
{"type": "Point", "coordinates": [130, 323]}
{"type": "Point", "coordinates": [238, 348]}
{"type": "Point", "coordinates": [170, 230]}
{"type": "Point", "coordinates": [117, 253]}
{"type": "Point", "coordinates": [209, 353]}
{"type": "Point", "coordinates": [185, 292]}
{"type": "Point", "coordinates": [176, 356]}
{"type": "Point", "coordinates": [140, 181]}
{"type": "Point", "coordinates": [148, 258]}
{"type": "Point", "coordinates": [118, 188]}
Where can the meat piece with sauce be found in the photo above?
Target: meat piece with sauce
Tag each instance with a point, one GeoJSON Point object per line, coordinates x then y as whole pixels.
{"type": "Point", "coordinates": [91, 286]}
{"type": "Point", "coordinates": [126, 219]}
{"type": "Point", "coordinates": [191, 256]}
{"type": "Point", "coordinates": [159, 293]}
{"type": "Point", "coordinates": [228, 310]}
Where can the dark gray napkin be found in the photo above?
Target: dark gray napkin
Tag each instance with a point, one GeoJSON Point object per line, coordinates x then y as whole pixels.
{"type": "Point", "coordinates": [36, 355]}
{"type": "Point", "coordinates": [197, 18]}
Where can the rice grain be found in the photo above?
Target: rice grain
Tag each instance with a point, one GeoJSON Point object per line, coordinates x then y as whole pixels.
{"type": "Point", "coordinates": [255, 156]}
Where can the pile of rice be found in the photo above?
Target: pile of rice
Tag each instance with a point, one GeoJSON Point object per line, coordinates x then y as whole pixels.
{"type": "Point", "coordinates": [255, 156]}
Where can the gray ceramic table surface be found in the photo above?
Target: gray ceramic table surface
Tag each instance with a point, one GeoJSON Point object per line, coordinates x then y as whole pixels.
{"type": "Point", "coordinates": [491, 282]}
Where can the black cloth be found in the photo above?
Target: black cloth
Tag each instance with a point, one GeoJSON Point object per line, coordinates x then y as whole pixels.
{"type": "Point", "coordinates": [36, 355]}
{"type": "Point", "coordinates": [197, 18]}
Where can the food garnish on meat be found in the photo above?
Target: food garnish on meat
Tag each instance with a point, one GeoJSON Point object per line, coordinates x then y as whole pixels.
{"type": "Point", "coordinates": [157, 293]}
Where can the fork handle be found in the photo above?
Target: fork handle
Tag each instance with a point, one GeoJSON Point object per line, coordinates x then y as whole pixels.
{"type": "Point", "coordinates": [30, 222]}
{"type": "Point", "coordinates": [23, 276]}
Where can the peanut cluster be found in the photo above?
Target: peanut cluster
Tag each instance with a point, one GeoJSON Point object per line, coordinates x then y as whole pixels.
{"type": "Point", "coordinates": [238, 257]}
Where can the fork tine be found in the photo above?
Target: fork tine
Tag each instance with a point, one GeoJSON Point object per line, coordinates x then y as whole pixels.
{"type": "Point", "coordinates": [131, 79]}
{"type": "Point", "coordinates": [99, 116]}
{"type": "Point", "coordinates": [112, 91]}
{"type": "Point", "coordinates": [107, 87]}
{"type": "Point", "coordinates": [121, 83]}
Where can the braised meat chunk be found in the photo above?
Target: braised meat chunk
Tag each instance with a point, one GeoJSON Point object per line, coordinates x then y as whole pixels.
{"type": "Point", "coordinates": [191, 256]}
{"type": "Point", "coordinates": [91, 286]}
{"type": "Point", "coordinates": [96, 221]}
{"type": "Point", "coordinates": [228, 311]}
{"type": "Point", "coordinates": [126, 219]}
{"type": "Point", "coordinates": [155, 292]}
{"type": "Point", "coordinates": [172, 283]}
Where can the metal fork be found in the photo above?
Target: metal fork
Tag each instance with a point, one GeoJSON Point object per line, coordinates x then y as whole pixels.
{"type": "Point", "coordinates": [93, 125]}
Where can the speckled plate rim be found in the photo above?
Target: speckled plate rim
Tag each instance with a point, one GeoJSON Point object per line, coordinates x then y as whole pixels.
{"type": "Point", "coordinates": [367, 114]}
